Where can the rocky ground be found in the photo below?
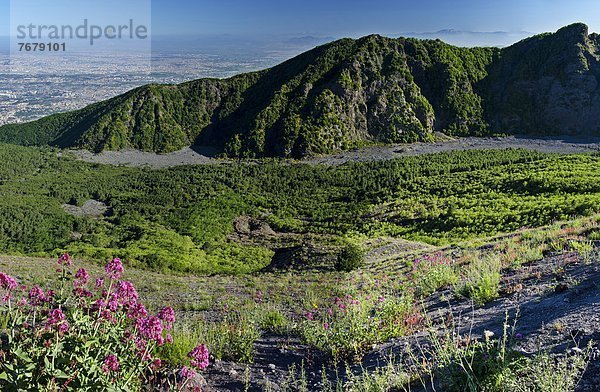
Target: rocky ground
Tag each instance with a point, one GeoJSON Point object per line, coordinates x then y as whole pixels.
{"type": "Point", "coordinates": [199, 156]}
{"type": "Point", "coordinates": [555, 302]}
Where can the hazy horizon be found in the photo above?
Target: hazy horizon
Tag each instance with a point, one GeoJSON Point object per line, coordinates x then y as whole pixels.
{"type": "Point", "coordinates": [478, 21]}
{"type": "Point", "coordinates": [206, 41]}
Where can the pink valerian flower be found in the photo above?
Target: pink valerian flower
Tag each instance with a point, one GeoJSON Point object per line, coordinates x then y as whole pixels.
{"type": "Point", "coordinates": [113, 305]}
{"type": "Point", "coordinates": [99, 283]}
{"type": "Point", "coordinates": [36, 296]}
{"type": "Point", "coordinates": [136, 310]}
{"type": "Point", "coordinates": [326, 326]}
{"type": "Point", "coordinates": [111, 364]}
{"type": "Point", "coordinates": [99, 304]}
{"type": "Point", "coordinates": [81, 292]}
{"type": "Point", "coordinates": [107, 315]}
{"type": "Point", "coordinates": [81, 278]}
{"type": "Point", "coordinates": [65, 259]}
{"type": "Point", "coordinates": [7, 282]}
{"type": "Point", "coordinates": [186, 373]}
{"type": "Point", "coordinates": [142, 349]}
{"type": "Point", "coordinates": [156, 364]}
{"type": "Point", "coordinates": [126, 293]}
{"type": "Point", "coordinates": [114, 268]}
{"type": "Point", "coordinates": [167, 315]}
{"type": "Point", "coordinates": [56, 317]}
{"type": "Point", "coordinates": [63, 327]}
{"type": "Point", "coordinates": [150, 327]}
{"type": "Point", "coordinates": [169, 338]}
{"type": "Point", "coordinates": [199, 356]}
{"type": "Point", "coordinates": [310, 316]}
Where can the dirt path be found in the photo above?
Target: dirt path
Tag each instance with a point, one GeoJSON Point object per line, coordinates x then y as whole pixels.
{"type": "Point", "coordinates": [203, 156]}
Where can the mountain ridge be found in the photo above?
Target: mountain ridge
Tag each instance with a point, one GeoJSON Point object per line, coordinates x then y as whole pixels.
{"type": "Point", "coordinates": [350, 92]}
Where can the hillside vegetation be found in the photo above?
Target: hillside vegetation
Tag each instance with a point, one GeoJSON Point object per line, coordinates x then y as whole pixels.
{"type": "Point", "coordinates": [182, 219]}
{"type": "Point", "coordinates": [348, 93]}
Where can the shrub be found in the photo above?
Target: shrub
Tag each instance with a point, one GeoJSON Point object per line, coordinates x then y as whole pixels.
{"type": "Point", "coordinates": [594, 235]}
{"type": "Point", "coordinates": [274, 321]}
{"type": "Point", "coordinates": [184, 340]}
{"type": "Point", "coordinates": [352, 325]}
{"type": "Point", "coordinates": [233, 338]}
{"type": "Point", "coordinates": [350, 258]}
{"type": "Point", "coordinates": [481, 280]}
{"type": "Point", "coordinates": [543, 373]}
{"type": "Point", "coordinates": [584, 248]}
{"type": "Point", "coordinates": [229, 339]}
{"type": "Point", "coordinates": [431, 273]}
{"type": "Point", "coordinates": [84, 336]}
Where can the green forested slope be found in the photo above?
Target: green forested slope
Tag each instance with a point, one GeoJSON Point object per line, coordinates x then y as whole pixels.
{"type": "Point", "coordinates": [181, 218]}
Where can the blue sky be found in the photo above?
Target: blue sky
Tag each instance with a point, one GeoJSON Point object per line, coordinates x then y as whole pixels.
{"type": "Point", "coordinates": [351, 17]}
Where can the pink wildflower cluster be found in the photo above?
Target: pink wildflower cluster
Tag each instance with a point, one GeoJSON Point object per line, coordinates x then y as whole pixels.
{"type": "Point", "coordinates": [111, 364]}
{"type": "Point", "coordinates": [80, 282]}
{"type": "Point", "coordinates": [56, 318]}
{"type": "Point", "coordinates": [81, 278]}
{"type": "Point", "coordinates": [37, 296]}
{"type": "Point", "coordinates": [199, 359]}
{"type": "Point", "coordinates": [150, 328]}
{"type": "Point", "coordinates": [114, 269]}
{"type": "Point", "coordinates": [65, 260]}
{"type": "Point", "coordinates": [136, 311]}
{"type": "Point", "coordinates": [186, 373]}
{"type": "Point", "coordinates": [111, 308]}
{"type": "Point", "coordinates": [199, 356]}
{"type": "Point", "coordinates": [167, 315]}
{"type": "Point", "coordinates": [345, 302]}
{"type": "Point", "coordinates": [7, 282]}
{"type": "Point", "coordinates": [126, 294]}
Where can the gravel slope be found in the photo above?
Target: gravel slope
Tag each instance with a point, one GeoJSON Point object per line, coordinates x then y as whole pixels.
{"type": "Point", "coordinates": [202, 156]}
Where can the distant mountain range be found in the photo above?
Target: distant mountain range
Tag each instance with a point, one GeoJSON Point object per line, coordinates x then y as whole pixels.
{"type": "Point", "coordinates": [350, 92]}
{"type": "Point", "coordinates": [472, 38]}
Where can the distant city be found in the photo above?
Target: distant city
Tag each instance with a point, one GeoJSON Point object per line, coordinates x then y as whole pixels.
{"type": "Point", "coordinates": [33, 86]}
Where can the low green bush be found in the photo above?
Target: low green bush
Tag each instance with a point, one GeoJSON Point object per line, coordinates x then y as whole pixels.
{"type": "Point", "coordinates": [350, 258]}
